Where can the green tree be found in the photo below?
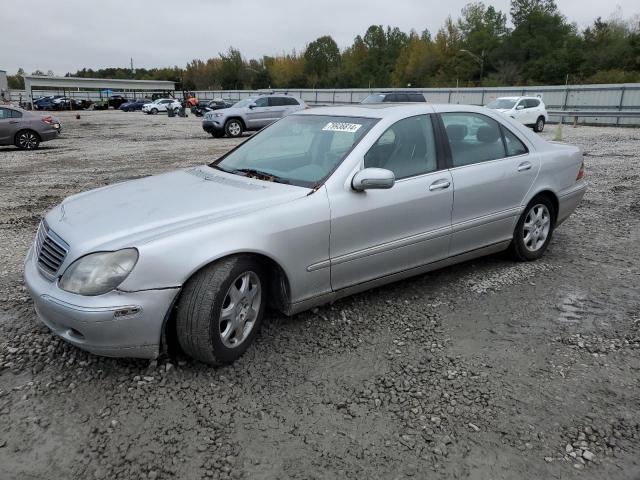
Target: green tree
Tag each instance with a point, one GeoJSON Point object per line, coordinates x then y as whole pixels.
{"type": "Point", "coordinates": [321, 57]}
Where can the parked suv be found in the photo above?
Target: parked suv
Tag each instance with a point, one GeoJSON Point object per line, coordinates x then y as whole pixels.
{"type": "Point", "coordinates": [250, 114]}
{"type": "Point", "coordinates": [161, 105]}
{"type": "Point", "coordinates": [394, 97]}
{"type": "Point", "coordinates": [26, 129]}
{"type": "Point", "coordinates": [528, 110]}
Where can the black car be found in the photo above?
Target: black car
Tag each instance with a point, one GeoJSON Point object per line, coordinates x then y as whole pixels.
{"type": "Point", "coordinates": [395, 97]}
{"type": "Point", "coordinates": [116, 100]}
{"type": "Point", "coordinates": [204, 107]}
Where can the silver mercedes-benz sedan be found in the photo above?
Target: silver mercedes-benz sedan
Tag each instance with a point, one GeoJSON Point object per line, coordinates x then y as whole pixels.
{"type": "Point", "coordinates": [322, 204]}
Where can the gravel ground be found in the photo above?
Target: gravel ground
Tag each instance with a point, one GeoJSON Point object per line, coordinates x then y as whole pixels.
{"type": "Point", "coordinates": [489, 369]}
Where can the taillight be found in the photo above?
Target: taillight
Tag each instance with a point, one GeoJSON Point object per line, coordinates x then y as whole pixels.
{"type": "Point", "coordinates": [580, 175]}
{"type": "Point", "coordinates": [48, 120]}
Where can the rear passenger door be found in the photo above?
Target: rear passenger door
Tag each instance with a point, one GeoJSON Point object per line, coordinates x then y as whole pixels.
{"type": "Point", "coordinates": [7, 126]}
{"type": "Point", "coordinates": [277, 107]}
{"type": "Point", "coordinates": [492, 171]}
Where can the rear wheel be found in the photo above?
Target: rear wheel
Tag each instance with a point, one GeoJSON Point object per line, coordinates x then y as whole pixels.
{"type": "Point", "coordinates": [539, 125]}
{"type": "Point", "coordinates": [533, 230]}
{"type": "Point", "coordinates": [220, 310]}
{"type": "Point", "coordinates": [27, 140]}
{"type": "Point", "coordinates": [233, 128]}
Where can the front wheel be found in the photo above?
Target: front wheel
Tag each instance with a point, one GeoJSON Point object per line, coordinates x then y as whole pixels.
{"type": "Point", "coordinates": [27, 140]}
{"type": "Point", "coordinates": [154, 111]}
{"type": "Point", "coordinates": [233, 128]}
{"type": "Point", "coordinates": [220, 310]}
{"type": "Point", "coordinates": [539, 125]}
{"type": "Point", "coordinates": [533, 230]}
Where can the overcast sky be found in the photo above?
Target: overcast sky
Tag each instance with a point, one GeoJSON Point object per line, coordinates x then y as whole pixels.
{"type": "Point", "coordinates": [67, 35]}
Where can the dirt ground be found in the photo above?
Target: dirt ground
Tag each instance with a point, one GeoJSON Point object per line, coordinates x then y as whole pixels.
{"type": "Point", "coordinates": [489, 370]}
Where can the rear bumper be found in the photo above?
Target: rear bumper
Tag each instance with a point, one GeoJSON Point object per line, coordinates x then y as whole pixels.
{"type": "Point", "coordinates": [49, 135]}
{"type": "Point", "coordinates": [568, 201]}
{"type": "Point", "coordinates": [116, 324]}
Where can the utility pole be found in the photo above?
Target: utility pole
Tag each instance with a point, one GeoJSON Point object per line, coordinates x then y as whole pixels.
{"type": "Point", "coordinates": [479, 60]}
{"type": "Point", "coordinates": [133, 72]}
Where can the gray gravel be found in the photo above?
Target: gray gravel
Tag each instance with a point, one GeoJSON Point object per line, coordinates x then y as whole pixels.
{"type": "Point", "coordinates": [489, 369]}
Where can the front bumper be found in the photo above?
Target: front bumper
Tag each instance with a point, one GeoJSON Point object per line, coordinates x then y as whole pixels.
{"type": "Point", "coordinates": [211, 126]}
{"type": "Point", "coordinates": [116, 324]}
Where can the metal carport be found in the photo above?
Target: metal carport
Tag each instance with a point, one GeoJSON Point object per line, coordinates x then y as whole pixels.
{"type": "Point", "coordinates": [79, 83]}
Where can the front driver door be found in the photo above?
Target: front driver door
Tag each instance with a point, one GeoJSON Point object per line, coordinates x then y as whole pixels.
{"type": "Point", "coordinates": [381, 232]}
{"type": "Point", "coordinates": [258, 114]}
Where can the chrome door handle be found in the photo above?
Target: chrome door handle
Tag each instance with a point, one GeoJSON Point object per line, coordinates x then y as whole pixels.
{"type": "Point", "coordinates": [14, 121]}
{"type": "Point", "coordinates": [524, 166]}
{"type": "Point", "coordinates": [439, 185]}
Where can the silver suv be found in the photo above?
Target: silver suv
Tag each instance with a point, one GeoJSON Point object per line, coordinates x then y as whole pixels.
{"type": "Point", "coordinates": [250, 114]}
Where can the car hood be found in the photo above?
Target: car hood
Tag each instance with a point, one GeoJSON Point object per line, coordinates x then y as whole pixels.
{"type": "Point", "coordinates": [138, 211]}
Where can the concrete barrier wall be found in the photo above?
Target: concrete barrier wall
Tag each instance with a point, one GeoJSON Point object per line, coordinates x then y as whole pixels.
{"type": "Point", "coordinates": [618, 97]}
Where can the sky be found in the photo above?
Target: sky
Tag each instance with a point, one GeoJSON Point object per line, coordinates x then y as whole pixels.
{"type": "Point", "coordinates": [67, 35]}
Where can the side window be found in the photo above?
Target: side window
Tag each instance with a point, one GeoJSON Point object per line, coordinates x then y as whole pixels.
{"type": "Point", "coordinates": [416, 97]}
{"type": "Point", "coordinates": [290, 101]}
{"type": "Point", "coordinates": [402, 97]}
{"type": "Point", "coordinates": [532, 103]}
{"type": "Point", "coordinates": [390, 98]}
{"type": "Point", "coordinates": [473, 138]}
{"type": "Point", "coordinates": [5, 113]}
{"type": "Point", "coordinates": [513, 144]}
{"type": "Point", "coordinates": [276, 101]}
{"type": "Point", "coordinates": [16, 114]}
{"type": "Point", "coordinates": [407, 148]}
{"type": "Point", "coordinates": [262, 102]}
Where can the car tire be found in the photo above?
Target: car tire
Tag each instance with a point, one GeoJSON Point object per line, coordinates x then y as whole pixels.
{"type": "Point", "coordinates": [233, 128]}
{"type": "Point", "coordinates": [220, 310]}
{"type": "Point", "coordinates": [533, 231]}
{"type": "Point", "coordinates": [539, 125]}
{"type": "Point", "coordinates": [154, 111]}
{"type": "Point", "coordinates": [27, 140]}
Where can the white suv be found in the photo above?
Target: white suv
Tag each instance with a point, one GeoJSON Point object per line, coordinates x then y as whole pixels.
{"type": "Point", "coordinates": [528, 110]}
{"type": "Point", "coordinates": [161, 105]}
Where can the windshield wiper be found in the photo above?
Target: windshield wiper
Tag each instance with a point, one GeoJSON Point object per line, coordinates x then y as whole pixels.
{"type": "Point", "coordinates": [269, 177]}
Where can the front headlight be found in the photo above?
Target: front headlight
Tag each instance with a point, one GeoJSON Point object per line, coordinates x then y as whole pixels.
{"type": "Point", "coordinates": [99, 272]}
{"type": "Point", "coordinates": [217, 115]}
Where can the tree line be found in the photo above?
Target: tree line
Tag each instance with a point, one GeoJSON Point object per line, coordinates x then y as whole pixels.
{"type": "Point", "coordinates": [538, 47]}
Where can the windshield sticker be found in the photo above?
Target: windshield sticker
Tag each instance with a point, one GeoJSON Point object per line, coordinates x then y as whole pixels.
{"type": "Point", "coordinates": [342, 127]}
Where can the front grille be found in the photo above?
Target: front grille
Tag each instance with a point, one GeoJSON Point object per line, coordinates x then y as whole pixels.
{"type": "Point", "coordinates": [51, 251]}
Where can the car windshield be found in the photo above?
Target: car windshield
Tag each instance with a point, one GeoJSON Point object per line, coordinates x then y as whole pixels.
{"type": "Point", "coordinates": [244, 103]}
{"type": "Point", "coordinates": [375, 98]}
{"type": "Point", "coordinates": [300, 150]}
{"type": "Point", "coordinates": [502, 103]}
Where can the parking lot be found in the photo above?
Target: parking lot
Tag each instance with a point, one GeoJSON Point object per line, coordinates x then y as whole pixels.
{"type": "Point", "coordinates": [489, 369]}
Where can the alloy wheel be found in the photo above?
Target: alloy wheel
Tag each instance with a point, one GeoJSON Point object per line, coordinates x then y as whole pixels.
{"type": "Point", "coordinates": [537, 225]}
{"type": "Point", "coordinates": [240, 309]}
{"type": "Point", "coordinates": [28, 140]}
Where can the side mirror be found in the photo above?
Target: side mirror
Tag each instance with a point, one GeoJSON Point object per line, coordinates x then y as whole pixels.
{"type": "Point", "coordinates": [373, 178]}
{"type": "Point", "coordinates": [520, 107]}
{"type": "Point", "coordinates": [252, 106]}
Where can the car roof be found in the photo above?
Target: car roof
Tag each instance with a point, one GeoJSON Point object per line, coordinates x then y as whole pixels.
{"type": "Point", "coordinates": [372, 110]}
{"type": "Point", "coordinates": [519, 98]}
